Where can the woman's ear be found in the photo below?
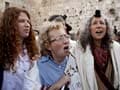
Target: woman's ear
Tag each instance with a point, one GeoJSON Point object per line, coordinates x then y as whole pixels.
{"type": "Point", "coordinates": [47, 45]}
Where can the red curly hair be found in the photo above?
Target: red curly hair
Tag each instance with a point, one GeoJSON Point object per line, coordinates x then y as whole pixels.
{"type": "Point", "coordinates": [10, 40]}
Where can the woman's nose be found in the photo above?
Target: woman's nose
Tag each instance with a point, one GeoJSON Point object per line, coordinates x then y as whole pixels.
{"type": "Point", "coordinates": [66, 40]}
{"type": "Point", "coordinates": [27, 24]}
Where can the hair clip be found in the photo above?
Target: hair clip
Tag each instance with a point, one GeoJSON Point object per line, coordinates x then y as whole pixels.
{"type": "Point", "coordinates": [97, 13]}
{"type": "Point", "coordinates": [64, 17]}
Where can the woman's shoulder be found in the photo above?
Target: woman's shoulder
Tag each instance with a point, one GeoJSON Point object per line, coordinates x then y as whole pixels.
{"type": "Point", "coordinates": [115, 44]}
{"type": "Point", "coordinates": [43, 59]}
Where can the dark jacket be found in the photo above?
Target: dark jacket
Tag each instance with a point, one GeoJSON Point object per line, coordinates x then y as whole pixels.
{"type": "Point", "coordinates": [1, 76]}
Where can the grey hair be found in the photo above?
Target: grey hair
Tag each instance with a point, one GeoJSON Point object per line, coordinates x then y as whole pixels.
{"type": "Point", "coordinates": [86, 38]}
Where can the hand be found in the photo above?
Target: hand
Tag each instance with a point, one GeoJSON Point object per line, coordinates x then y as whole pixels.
{"type": "Point", "coordinates": [65, 79]}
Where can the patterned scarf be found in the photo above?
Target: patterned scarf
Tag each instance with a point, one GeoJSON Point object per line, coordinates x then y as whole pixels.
{"type": "Point", "coordinates": [101, 56]}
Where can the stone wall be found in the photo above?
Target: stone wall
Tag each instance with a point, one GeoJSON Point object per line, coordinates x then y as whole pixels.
{"type": "Point", "coordinates": [78, 11]}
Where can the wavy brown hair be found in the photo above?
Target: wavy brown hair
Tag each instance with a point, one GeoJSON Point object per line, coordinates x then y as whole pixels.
{"type": "Point", "coordinates": [10, 41]}
{"type": "Point", "coordinates": [86, 38]}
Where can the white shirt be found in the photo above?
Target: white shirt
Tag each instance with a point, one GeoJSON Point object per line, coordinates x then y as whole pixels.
{"type": "Point", "coordinates": [72, 45]}
{"type": "Point", "coordinates": [14, 80]}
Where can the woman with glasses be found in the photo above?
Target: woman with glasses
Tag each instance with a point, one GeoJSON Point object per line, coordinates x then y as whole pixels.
{"type": "Point", "coordinates": [68, 28]}
{"type": "Point", "coordinates": [54, 50]}
{"type": "Point", "coordinates": [54, 71]}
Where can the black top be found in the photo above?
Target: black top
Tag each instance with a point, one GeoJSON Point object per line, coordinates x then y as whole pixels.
{"type": "Point", "coordinates": [1, 76]}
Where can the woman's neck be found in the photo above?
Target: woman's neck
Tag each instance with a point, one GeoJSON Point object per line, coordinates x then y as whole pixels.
{"type": "Point", "coordinates": [22, 47]}
{"type": "Point", "coordinates": [97, 43]}
{"type": "Point", "coordinates": [58, 60]}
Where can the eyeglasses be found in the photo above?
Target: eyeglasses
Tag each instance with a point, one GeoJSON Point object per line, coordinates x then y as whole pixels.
{"type": "Point", "coordinates": [60, 38]}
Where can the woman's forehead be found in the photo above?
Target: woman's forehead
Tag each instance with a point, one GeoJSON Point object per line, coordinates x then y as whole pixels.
{"type": "Point", "coordinates": [56, 32]}
{"type": "Point", "coordinates": [98, 18]}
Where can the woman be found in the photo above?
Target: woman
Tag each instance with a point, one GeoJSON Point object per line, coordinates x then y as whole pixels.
{"type": "Point", "coordinates": [55, 68]}
{"type": "Point", "coordinates": [98, 57]}
{"type": "Point", "coordinates": [54, 52]}
{"type": "Point", "coordinates": [62, 18]}
{"type": "Point", "coordinates": [18, 47]}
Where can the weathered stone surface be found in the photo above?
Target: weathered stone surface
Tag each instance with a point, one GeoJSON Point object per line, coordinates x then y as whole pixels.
{"type": "Point", "coordinates": [78, 11]}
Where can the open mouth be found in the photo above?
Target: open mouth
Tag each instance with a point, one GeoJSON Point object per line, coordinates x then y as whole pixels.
{"type": "Point", "coordinates": [66, 48]}
{"type": "Point", "coordinates": [99, 32]}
